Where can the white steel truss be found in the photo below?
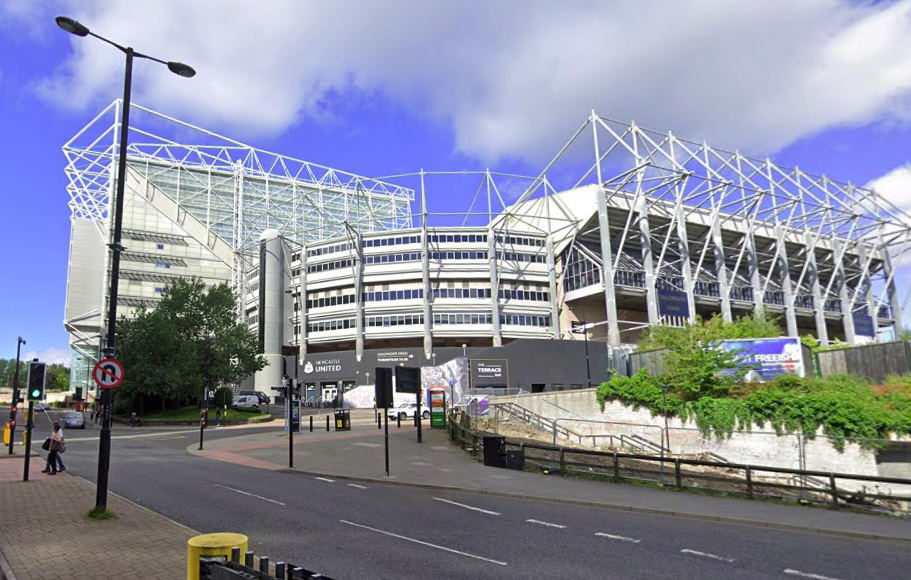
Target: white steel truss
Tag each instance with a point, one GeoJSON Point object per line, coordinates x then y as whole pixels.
{"type": "Point", "coordinates": [749, 231]}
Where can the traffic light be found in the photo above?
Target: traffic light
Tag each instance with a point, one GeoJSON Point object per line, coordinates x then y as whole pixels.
{"type": "Point", "coordinates": [204, 419]}
{"type": "Point", "coordinates": [36, 373]}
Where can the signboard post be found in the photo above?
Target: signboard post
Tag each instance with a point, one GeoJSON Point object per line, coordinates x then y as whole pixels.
{"type": "Point", "coordinates": [383, 391]}
{"type": "Point", "coordinates": [437, 401]}
{"type": "Point", "coordinates": [408, 380]}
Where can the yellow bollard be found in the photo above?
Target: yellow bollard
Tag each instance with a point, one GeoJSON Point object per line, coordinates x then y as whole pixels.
{"type": "Point", "coordinates": [219, 544]}
{"type": "Point", "coordinates": [6, 433]}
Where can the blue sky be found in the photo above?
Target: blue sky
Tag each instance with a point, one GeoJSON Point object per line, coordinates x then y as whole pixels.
{"type": "Point", "coordinates": [384, 88]}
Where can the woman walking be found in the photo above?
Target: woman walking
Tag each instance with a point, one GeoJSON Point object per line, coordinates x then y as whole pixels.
{"type": "Point", "coordinates": [53, 456]}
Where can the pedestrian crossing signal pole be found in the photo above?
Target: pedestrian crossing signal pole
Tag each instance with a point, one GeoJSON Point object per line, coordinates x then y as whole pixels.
{"type": "Point", "coordinates": [204, 413]}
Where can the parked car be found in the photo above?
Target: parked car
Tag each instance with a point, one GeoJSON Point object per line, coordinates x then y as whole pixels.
{"type": "Point", "coordinates": [74, 420]}
{"type": "Point", "coordinates": [407, 410]}
{"type": "Point", "coordinates": [246, 402]}
{"type": "Point", "coordinates": [263, 397]}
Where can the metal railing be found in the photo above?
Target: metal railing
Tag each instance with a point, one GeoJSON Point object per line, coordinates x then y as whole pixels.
{"type": "Point", "coordinates": [719, 475]}
{"type": "Point", "coordinates": [252, 568]}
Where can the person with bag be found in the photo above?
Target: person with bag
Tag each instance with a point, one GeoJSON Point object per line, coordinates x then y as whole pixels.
{"type": "Point", "coordinates": [55, 444]}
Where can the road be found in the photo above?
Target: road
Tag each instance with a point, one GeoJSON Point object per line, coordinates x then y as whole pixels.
{"type": "Point", "coordinates": [350, 530]}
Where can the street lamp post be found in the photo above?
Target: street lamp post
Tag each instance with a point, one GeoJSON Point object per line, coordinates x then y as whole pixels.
{"type": "Point", "coordinates": [14, 404]}
{"type": "Point", "coordinates": [104, 448]}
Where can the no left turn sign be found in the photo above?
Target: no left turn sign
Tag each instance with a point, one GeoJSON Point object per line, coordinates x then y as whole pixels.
{"type": "Point", "coordinates": [108, 373]}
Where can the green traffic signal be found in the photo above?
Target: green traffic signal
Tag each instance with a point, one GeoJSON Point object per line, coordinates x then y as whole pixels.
{"type": "Point", "coordinates": [35, 381]}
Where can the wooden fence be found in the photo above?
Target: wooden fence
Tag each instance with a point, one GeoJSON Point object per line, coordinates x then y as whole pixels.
{"type": "Point", "coordinates": [872, 361]}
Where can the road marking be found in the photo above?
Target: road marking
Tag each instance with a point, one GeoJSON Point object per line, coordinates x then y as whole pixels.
{"type": "Point", "coordinates": [468, 507]}
{"type": "Point", "coordinates": [539, 522]}
{"type": "Point", "coordinates": [248, 493]}
{"type": "Point", "coordinates": [428, 544]}
{"type": "Point", "coordinates": [808, 575]}
{"type": "Point", "coordinates": [707, 555]}
{"type": "Point", "coordinates": [615, 537]}
{"type": "Point", "coordinates": [325, 479]}
{"type": "Point", "coordinates": [138, 436]}
{"type": "Point", "coordinates": [357, 486]}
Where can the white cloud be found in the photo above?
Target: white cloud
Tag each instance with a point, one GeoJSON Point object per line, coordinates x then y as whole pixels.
{"type": "Point", "coordinates": [895, 186]}
{"type": "Point", "coordinates": [514, 78]}
{"type": "Point", "coordinates": [49, 356]}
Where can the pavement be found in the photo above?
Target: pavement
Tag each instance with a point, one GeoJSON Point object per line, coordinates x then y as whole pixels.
{"type": "Point", "coordinates": [45, 532]}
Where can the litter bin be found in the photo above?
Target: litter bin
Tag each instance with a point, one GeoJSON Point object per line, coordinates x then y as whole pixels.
{"type": "Point", "coordinates": [342, 420]}
{"type": "Point", "coordinates": [494, 451]}
{"type": "Point", "coordinates": [514, 460]}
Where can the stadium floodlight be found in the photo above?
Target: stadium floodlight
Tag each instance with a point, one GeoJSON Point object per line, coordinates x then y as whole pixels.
{"type": "Point", "coordinates": [74, 27]}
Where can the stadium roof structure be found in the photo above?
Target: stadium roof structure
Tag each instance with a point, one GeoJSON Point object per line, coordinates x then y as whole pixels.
{"type": "Point", "coordinates": [234, 189]}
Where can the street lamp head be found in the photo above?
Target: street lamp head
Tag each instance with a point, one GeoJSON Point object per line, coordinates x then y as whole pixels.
{"type": "Point", "coordinates": [180, 68]}
{"type": "Point", "coordinates": [21, 340]}
{"type": "Point", "coordinates": [72, 26]}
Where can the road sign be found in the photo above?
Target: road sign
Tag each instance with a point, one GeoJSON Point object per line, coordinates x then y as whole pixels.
{"type": "Point", "coordinates": [108, 373]}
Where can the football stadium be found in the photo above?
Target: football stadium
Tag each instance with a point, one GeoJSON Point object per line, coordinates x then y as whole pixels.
{"type": "Point", "coordinates": [537, 284]}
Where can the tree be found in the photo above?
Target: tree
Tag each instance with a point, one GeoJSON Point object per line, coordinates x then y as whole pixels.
{"type": "Point", "coordinates": [191, 339]}
{"type": "Point", "coordinates": [696, 367]}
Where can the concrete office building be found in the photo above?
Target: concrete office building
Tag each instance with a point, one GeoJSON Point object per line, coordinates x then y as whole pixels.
{"type": "Point", "coordinates": [195, 205]}
{"type": "Point", "coordinates": [692, 231]}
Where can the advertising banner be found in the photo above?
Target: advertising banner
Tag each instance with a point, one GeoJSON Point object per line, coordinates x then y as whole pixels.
{"type": "Point", "coordinates": [863, 323]}
{"type": "Point", "coordinates": [768, 358]}
{"type": "Point", "coordinates": [672, 303]}
{"type": "Point", "coordinates": [489, 373]}
{"type": "Point", "coordinates": [437, 397]}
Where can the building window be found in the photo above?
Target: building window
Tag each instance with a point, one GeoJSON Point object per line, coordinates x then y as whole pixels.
{"type": "Point", "coordinates": [158, 290]}
{"type": "Point", "coordinates": [164, 265]}
{"type": "Point", "coordinates": [159, 246]}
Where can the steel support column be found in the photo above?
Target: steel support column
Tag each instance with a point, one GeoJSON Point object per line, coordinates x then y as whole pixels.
{"type": "Point", "coordinates": [302, 307]}
{"type": "Point", "coordinates": [494, 286]}
{"type": "Point", "coordinates": [425, 275]}
{"type": "Point", "coordinates": [867, 283]}
{"type": "Point", "coordinates": [822, 331]}
{"type": "Point", "coordinates": [892, 292]}
{"type": "Point", "coordinates": [607, 260]}
{"type": "Point", "coordinates": [847, 304]}
{"type": "Point", "coordinates": [784, 273]}
{"type": "Point", "coordinates": [721, 272]}
{"type": "Point", "coordinates": [552, 285]}
{"type": "Point", "coordinates": [645, 242]}
{"type": "Point", "coordinates": [359, 295]}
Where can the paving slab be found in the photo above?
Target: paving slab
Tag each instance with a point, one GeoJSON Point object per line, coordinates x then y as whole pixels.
{"type": "Point", "coordinates": [46, 534]}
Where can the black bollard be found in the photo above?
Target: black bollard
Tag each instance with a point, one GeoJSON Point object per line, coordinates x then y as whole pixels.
{"type": "Point", "coordinates": [327, 422]}
{"type": "Point", "coordinates": [311, 423]}
{"type": "Point", "coordinates": [379, 421]}
{"type": "Point", "coordinates": [398, 419]}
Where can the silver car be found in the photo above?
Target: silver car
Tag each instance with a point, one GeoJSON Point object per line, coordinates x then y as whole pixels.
{"type": "Point", "coordinates": [74, 420]}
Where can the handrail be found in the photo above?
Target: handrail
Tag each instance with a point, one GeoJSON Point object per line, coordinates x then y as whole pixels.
{"type": "Point", "coordinates": [699, 462]}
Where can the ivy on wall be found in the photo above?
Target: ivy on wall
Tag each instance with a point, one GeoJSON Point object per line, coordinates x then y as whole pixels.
{"type": "Point", "coordinates": [843, 406]}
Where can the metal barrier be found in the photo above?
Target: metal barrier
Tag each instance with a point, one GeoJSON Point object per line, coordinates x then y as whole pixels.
{"type": "Point", "coordinates": [252, 568]}
{"type": "Point", "coordinates": [752, 481]}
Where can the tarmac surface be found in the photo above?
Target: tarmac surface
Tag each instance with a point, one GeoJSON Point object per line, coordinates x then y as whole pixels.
{"type": "Point", "coordinates": [46, 533]}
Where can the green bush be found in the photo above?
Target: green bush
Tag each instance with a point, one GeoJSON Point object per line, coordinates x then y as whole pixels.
{"type": "Point", "coordinates": [843, 406]}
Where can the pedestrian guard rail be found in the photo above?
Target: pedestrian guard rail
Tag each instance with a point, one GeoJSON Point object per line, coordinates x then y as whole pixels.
{"type": "Point", "coordinates": [882, 494]}
{"type": "Point", "coordinates": [252, 568]}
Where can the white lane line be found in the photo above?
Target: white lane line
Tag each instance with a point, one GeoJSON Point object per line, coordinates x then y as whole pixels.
{"type": "Point", "coordinates": [808, 575]}
{"type": "Point", "coordinates": [548, 524]}
{"type": "Point", "coordinates": [357, 486]}
{"type": "Point", "coordinates": [707, 555]}
{"type": "Point", "coordinates": [445, 549]}
{"type": "Point", "coordinates": [248, 493]}
{"type": "Point", "coordinates": [468, 507]}
{"type": "Point", "coordinates": [615, 537]}
{"type": "Point", "coordinates": [325, 479]}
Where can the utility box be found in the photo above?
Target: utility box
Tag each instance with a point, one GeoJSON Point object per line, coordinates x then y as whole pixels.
{"type": "Point", "coordinates": [342, 420]}
{"type": "Point", "coordinates": [494, 451]}
{"type": "Point", "coordinates": [515, 460]}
